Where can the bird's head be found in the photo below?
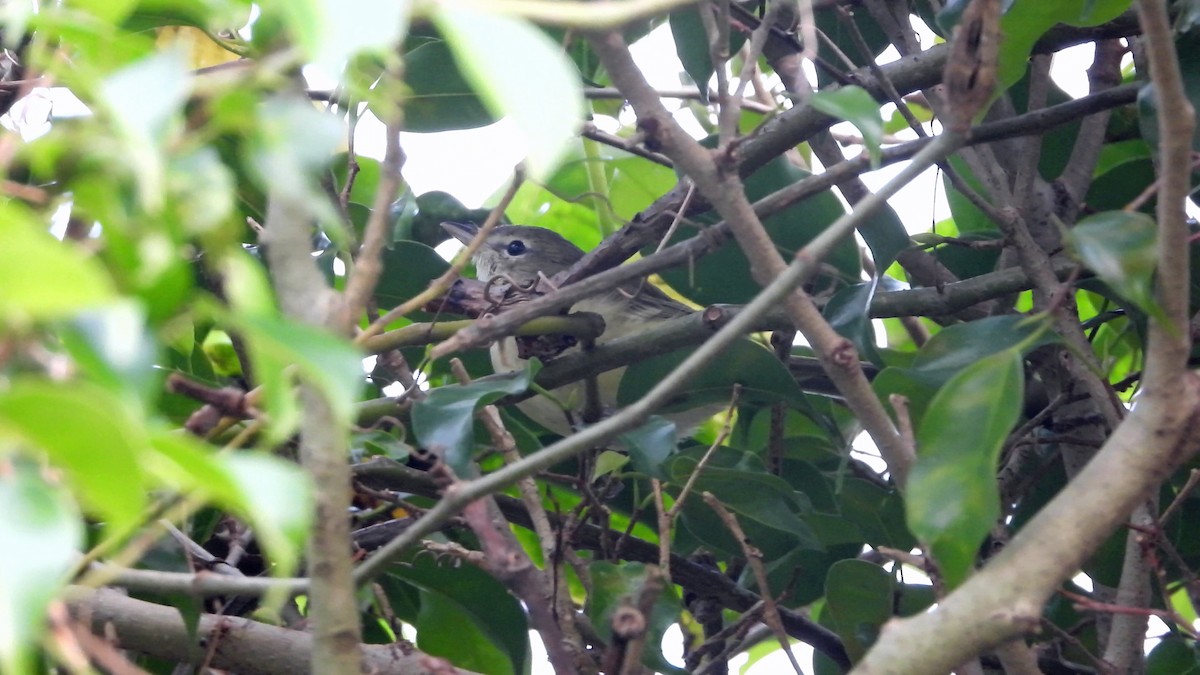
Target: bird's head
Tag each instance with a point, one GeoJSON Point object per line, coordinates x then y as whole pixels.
{"type": "Point", "coordinates": [519, 251]}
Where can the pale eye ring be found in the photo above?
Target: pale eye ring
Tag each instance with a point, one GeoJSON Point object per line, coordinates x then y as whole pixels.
{"type": "Point", "coordinates": [515, 247]}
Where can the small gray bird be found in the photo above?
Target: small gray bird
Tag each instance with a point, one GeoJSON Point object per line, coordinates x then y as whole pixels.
{"type": "Point", "coordinates": [530, 255]}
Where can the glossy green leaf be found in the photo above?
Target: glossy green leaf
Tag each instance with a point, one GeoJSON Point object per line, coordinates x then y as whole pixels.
{"type": "Point", "coordinates": [956, 347]}
{"type": "Point", "coordinates": [447, 628]}
{"type": "Point", "coordinates": [952, 497]}
{"type": "Point", "coordinates": [443, 421]}
{"type": "Point", "coordinates": [43, 532]}
{"type": "Point", "coordinates": [281, 349]}
{"type": "Point", "coordinates": [1173, 655]}
{"type": "Point", "coordinates": [534, 85]}
{"type": "Point", "coordinates": [847, 312]}
{"type": "Point", "coordinates": [858, 597]}
{"type": "Point", "coordinates": [853, 104]}
{"type": "Point", "coordinates": [408, 267]}
{"type": "Point", "coordinates": [725, 275]}
{"type": "Point", "coordinates": [767, 508]}
{"type": "Point", "coordinates": [692, 46]}
{"type": "Point", "coordinates": [440, 97]}
{"type": "Point", "coordinates": [762, 377]}
{"type": "Point", "coordinates": [434, 208]}
{"type": "Point", "coordinates": [1121, 248]}
{"type": "Point", "coordinates": [42, 277]}
{"type": "Point", "coordinates": [473, 597]}
{"type": "Point", "coordinates": [91, 435]}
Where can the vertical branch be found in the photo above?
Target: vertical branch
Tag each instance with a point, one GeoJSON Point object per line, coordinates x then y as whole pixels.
{"type": "Point", "coordinates": [1168, 344]}
{"type": "Point", "coordinates": [323, 443]}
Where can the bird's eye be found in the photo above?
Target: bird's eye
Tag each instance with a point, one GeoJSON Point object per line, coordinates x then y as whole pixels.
{"type": "Point", "coordinates": [515, 247]}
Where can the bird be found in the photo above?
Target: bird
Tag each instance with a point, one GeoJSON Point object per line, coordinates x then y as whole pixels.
{"type": "Point", "coordinates": [528, 256]}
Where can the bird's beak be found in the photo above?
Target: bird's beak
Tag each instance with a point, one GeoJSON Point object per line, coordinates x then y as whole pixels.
{"type": "Point", "coordinates": [463, 232]}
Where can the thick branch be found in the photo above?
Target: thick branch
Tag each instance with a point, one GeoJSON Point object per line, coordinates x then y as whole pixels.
{"type": "Point", "coordinates": [230, 643]}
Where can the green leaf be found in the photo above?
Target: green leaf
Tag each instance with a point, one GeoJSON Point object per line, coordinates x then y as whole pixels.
{"type": "Point", "coordinates": [274, 495]}
{"type": "Point", "coordinates": [767, 508]}
{"type": "Point", "coordinates": [692, 46]}
{"type": "Point", "coordinates": [44, 278]}
{"type": "Point", "coordinates": [475, 599]}
{"type": "Point", "coordinates": [952, 497]}
{"type": "Point", "coordinates": [1121, 248]}
{"type": "Point", "coordinates": [956, 347]}
{"type": "Point", "coordinates": [145, 100]}
{"type": "Point", "coordinates": [277, 497]}
{"type": "Point", "coordinates": [42, 532]}
{"type": "Point", "coordinates": [447, 628]}
{"type": "Point", "coordinates": [113, 346]}
{"type": "Point", "coordinates": [847, 312]}
{"type": "Point", "coordinates": [110, 11]}
{"type": "Point", "coordinates": [858, 597]}
{"type": "Point", "coordinates": [650, 445]}
{"type": "Point", "coordinates": [853, 104]}
{"type": "Point", "coordinates": [763, 377]}
{"type": "Point", "coordinates": [614, 585]}
{"type": "Point", "coordinates": [292, 144]}
{"type": "Point", "coordinates": [408, 267]}
{"type": "Point", "coordinates": [91, 435]}
{"type": "Point", "coordinates": [519, 73]}
{"type": "Point", "coordinates": [443, 422]}
{"type": "Point", "coordinates": [439, 97]}
{"type": "Point", "coordinates": [724, 276]}
{"type": "Point", "coordinates": [1173, 655]}
{"type": "Point", "coordinates": [1024, 23]}
{"type": "Point", "coordinates": [322, 359]}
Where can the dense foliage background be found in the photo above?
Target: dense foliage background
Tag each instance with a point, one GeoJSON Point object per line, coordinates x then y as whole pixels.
{"type": "Point", "coordinates": [197, 472]}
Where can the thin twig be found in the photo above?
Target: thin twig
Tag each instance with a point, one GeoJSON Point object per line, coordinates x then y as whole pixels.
{"type": "Point", "coordinates": [754, 558]}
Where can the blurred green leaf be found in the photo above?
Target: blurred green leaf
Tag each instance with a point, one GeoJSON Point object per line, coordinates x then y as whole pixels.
{"type": "Point", "coordinates": [346, 29]}
{"type": "Point", "coordinates": [858, 597]}
{"type": "Point", "coordinates": [113, 345]}
{"type": "Point", "coordinates": [614, 585]}
{"type": "Point", "coordinates": [272, 494]}
{"type": "Point", "coordinates": [650, 445]}
{"type": "Point", "coordinates": [280, 349]}
{"type": "Point", "coordinates": [443, 421]}
{"type": "Point", "coordinates": [535, 86]}
{"type": "Point", "coordinates": [952, 497]}
{"type": "Point", "coordinates": [145, 100]}
{"type": "Point", "coordinates": [1121, 248]}
{"type": "Point", "coordinates": [43, 532]}
{"type": "Point", "coordinates": [1173, 655]}
{"type": "Point", "coordinates": [91, 435]}
{"type": "Point", "coordinates": [853, 104]}
{"type": "Point", "coordinates": [44, 278]}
